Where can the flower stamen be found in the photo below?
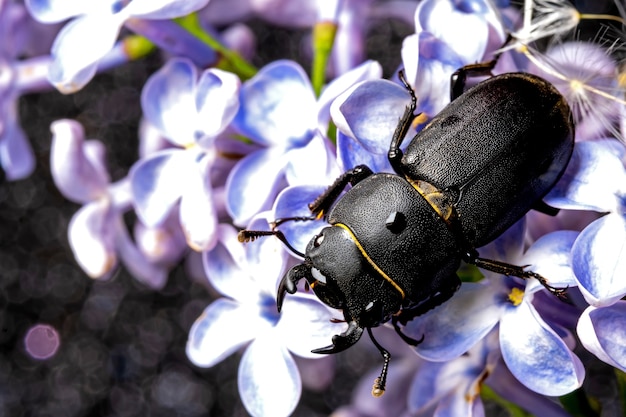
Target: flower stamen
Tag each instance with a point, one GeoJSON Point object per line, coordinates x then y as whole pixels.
{"type": "Point", "coordinates": [516, 296]}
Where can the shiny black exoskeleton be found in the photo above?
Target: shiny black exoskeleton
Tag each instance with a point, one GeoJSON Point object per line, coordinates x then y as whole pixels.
{"type": "Point", "coordinates": [395, 241]}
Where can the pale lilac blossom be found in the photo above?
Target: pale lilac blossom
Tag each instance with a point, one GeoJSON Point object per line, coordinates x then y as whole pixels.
{"type": "Point", "coordinates": [190, 111]}
{"type": "Point", "coordinates": [268, 378]}
{"type": "Point", "coordinates": [97, 233]}
{"type": "Point", "coordinates": [93, 30]}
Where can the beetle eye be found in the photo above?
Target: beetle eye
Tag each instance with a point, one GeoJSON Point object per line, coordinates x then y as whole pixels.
{"type": "Point", "coordinates": [318, 240]}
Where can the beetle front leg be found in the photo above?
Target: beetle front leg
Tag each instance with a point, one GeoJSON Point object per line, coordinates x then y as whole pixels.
{"type": "Point", "coordinates": [322, 204]}
{"type": "Point", "coordinates": [395, 153]}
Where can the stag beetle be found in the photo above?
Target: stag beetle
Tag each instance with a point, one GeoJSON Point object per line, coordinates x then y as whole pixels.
{"type": "Point", "coordinates": [395, 241]}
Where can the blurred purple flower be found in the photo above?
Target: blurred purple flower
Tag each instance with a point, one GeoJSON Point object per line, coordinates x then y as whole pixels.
{"type": "Point", "coordinates": [17, 32]}
{"type": "Point", "coordinates": [269, 381]}
{"type": "Point", "coordinates": [97, 233]}
{"type": "Point", "coordinates": [280, 114]}
{"type": "Point", "coordinates": [533, 350]}
{"type": "Point", "coordinates": [93, 31]}
{"type": "Point", "coordinates": [189, 111]}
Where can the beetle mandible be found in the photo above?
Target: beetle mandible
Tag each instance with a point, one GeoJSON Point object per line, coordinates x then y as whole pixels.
{"type": "Point", "coordinates": [395, 241]}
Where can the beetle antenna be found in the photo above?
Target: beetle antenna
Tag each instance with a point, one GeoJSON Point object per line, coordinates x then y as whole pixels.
{"type": "Point", "coordinates": [246, 235]}
{"type": "Point", "coordinates": [378, 389]}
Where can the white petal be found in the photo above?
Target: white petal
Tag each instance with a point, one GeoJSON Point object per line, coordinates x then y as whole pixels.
{"type": "Point", "coordinates": [221, 329]}
{"type": "Point", "coordinates": [78, 48]}
{"type": "Point", "coordinates": [90, 235]}
{"type": "Point", "coordinates": [197, 211]}
{"type": "Point", "coordinates": [268, 379]}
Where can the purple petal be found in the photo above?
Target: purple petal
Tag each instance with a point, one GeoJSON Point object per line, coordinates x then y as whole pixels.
{"type": "Point", "coordinates": [314, 163]}
{"type": "Point", "coordinates": [269, 381]}
{"type": "Point", "coordinates": [602, 332]}
{"type": "Point", "coordinates": [136, 262]}
{"type": "Point", "coordinates": [508, 387]}
{"type": "Point", "coordinates": [599, 260]}
{"type": "Point", "coordinates": [217, 100]}
{"type": "Point", "coordinates": [350, 153]}
{"type": "Point", "coordinates": [550, 257]}
{"type": "Point", "coordinates": [198, 217]}
{"type": "Point", "coordinates": [168, 101]}
{"type": "Point", "coordinates": [278, 107]}
{"type": "Point", "coordinates": [266, 259]}
{"type": "Point", "coordinates": [225, 265]}
{"type": "Point", "coordinates": [536, 355]}
{"type": "Point", "coordinates": [253, 184]}
{"type": "Point", "coordinates": [78, 48]}
{"type": "Point", "coordinates": [53, 11]}
{"type": "Point", "coordinates": [294, 202]}
{"type": "Point", "coordinates": [16, 155]}
{"type": "Point", "coordinates": [305, 324]}
{"type": "Point", "coordinates": [443, 18]}
{"type": "Point", "coordinates": [369, 70]}
{"type": "Point", "coordinates": [163, 9]}
{"type": "Point", "coordinates": [509, 246]}
{"type": "Point", "coordinates": [455, 326]}
{"type": "Point", "coordinates": [164, 244]}
{"type": "Point", "coordinates": [77, 172]}
{"type": "Point", "coordinates": [156, 183]}
{"type": "Point", "coordinates": [429, 63]}
{"type": "Point", "coordinates": [370, 113]}
{"type": "Point", "coordinates": [212, 339]}
{"type": "Point", "coordinates": [594, 175]}
{"type": "Point", "coordinates": [91, 237]}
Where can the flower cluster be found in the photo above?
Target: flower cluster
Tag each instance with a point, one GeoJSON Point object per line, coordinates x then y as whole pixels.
{"type": "Point", "coordinates": [226, 146]}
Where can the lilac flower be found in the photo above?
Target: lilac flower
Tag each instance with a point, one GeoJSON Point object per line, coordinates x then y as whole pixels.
{"type": "Point", "coordinates": [17, 160]}
{"type": "Point", "coordinates": [93, 31]}
{"type": "Point", "coordinates": [189, 111]}
{"type": "Point", "coordinates": [280, 114]}
{"type": "Point", "coordinates": [438, 47]}
{"type": "Point", "coordinates": [269, 381]}
{"type": "Point", "coordinates": [601, 331]}
{"type": "Point", "coordinates": [97, 233]}
{"type": "Point", "coordinates": [595, 179]}
{"type": "Point", "coordinates": [533, 350]}
{"type": "Point", "coordinates": [454, 388]}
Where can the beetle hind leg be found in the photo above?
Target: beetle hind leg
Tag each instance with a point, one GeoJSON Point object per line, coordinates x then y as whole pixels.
{"type": "Point", "coordinates": [516, 271]}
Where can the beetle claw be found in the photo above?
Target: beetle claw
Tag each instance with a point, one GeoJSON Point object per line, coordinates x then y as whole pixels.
{"type": "Point", "coordinates": [289, 282]}
{"type": "Point", "coordinates": [344, 340]}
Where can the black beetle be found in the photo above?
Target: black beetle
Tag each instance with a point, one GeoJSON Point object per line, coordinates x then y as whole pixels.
{"type": "Point", "coordinates": [395, 241]}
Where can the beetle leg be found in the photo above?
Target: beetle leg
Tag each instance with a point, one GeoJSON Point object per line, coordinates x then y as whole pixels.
{"type": "Point", "coordinates": [514, 270]}
{"type": "Point", "coordinates": [378, 388]}
{"type": "Point", "coordinates": [246, 235]}
{"type": "Point", "coordinates": [543, 207]}
{"type": "Point", "coordinates": [408, 314]}
{"type": "Point", "coordinates": [344, 340]}
{"type": "Point", "coordinates": [458, 79]}
{"type": "Point", "coordinates": [322, 204]}
{"type": "Point", "coordinates": [395, 153]}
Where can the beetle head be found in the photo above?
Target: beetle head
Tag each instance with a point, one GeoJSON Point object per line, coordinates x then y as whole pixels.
{"type": "Point", "coordinates": [342, 278]}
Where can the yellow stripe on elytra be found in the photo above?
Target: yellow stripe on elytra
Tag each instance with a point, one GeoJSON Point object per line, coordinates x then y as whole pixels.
{"type": "Point", "coordinates": [370, 260]}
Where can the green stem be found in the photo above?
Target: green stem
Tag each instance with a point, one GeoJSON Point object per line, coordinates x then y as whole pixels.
{"type": "Point", "coordinates": [230, 60]}
{"type": "Point", "coordinates": [136, 46]}
{"type": "Point", "coordinates": [323, 39]}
